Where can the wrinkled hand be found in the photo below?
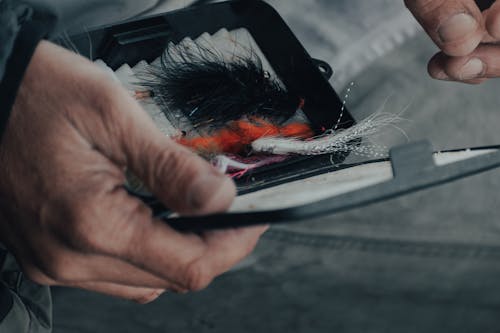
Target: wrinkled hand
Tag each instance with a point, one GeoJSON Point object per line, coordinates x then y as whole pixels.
{"type": "Point", "coordinates": [467, 37]}
{"type": "Point", "coordinates": [64, 212]}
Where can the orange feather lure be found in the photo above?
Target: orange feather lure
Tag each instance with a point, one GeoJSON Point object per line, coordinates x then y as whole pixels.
{"type": "Point", "coordinates": [239, 134]}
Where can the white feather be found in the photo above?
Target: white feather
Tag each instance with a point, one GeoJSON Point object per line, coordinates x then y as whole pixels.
{"type": "Point", "coordinates": [343, 140]}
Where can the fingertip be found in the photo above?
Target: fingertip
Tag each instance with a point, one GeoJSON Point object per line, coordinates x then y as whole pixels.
{"type": "Point", "coordinates": [184, 182]}
{"type": "Point", "coordinates": [493, 21]}
{"type": "Point", "coordinates": [436, 67]}
{"type": "Point", "coordinates": [262, 229]}
{"type": "Point", "coordinates": [464, 68]}
{"type": "Point", "coordinates": [471, 69]}
{"type": "Point", "coordinates": [457, 27]}
{"type": "Point", "coordinates": [460, 34]}
{"type": "Point", "coordinates": [438, 74]}
{"type": "Point", "coordinates": [254, 234]}
{"type": "Point", "coordinates": [493, 27]}
{"type": "Point", "coordinates": [149, 297]}
{"type": "Point", "coordinates": [210, 193]}
{"type": "Point", "coordinates": [254, 231]}
{"type": "Point", "coordinates": [462, 47]}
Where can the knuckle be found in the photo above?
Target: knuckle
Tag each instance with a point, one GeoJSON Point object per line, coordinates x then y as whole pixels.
{"type": "Point", "coordinates": [58, 268]}
{"type": "Point", "coordinates": [80, 229]}
{"type": "Point", "coordinates": [90, 225]}
{"type": "Point", "coordinates": [78, 234]}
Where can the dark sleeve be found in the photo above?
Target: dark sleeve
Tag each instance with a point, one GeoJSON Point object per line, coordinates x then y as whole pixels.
{"type": "Point", "coordinates": [21, 28]}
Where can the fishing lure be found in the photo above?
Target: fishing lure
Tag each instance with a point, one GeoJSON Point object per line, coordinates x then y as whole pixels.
{"type": "Point", "coordinates": [238, 135]}
{"type": "Point", "coordinates": [236, 166]}
{"type": "Point", "coordinates": [212, 90]}
{"type": "Point", "coordinates": [237, 107]}
{"type": "Point", "coordinates": [344, 140]}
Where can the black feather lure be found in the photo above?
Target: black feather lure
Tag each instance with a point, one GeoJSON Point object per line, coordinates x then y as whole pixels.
{"type": "Point", "coordinates": [211, 90]}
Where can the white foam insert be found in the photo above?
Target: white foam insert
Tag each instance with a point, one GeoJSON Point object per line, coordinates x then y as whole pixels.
{"type": "Point", "coordinates": [108, 70]}
{"type": "Point", "coordinates": [229, 44]}
{"type": "Point", "coordinates": [128, 78]}
{"type": "Point", "coordinates": [141, 66]}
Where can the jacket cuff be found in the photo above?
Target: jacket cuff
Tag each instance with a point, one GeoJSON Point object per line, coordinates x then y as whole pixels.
{"type": "Point", "coordinates": [32, 26]}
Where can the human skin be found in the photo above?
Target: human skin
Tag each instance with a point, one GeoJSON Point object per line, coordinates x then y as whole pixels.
{"type": "Point", "coordinates": [64, 212]}
{"type": "Point", "coordinates": [468, 38]}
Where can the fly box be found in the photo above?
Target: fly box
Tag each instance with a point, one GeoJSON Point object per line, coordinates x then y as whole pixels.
{"type": "Point", "coordinates": [232, 82]}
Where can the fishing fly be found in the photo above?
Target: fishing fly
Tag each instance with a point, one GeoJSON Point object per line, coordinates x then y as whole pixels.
{"type": "Point", "coordinates": [212, 90]}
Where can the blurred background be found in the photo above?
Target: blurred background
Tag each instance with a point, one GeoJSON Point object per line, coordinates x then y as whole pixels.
{"type": "Point", "coordinates": [427, 262]}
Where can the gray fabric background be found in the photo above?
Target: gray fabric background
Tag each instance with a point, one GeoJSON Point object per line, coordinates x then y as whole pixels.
{"type": "Point", "coordinates": [428, 262]}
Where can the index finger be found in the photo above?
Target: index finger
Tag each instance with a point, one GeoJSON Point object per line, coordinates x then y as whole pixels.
{"type": "Point", "coordinates": [189, 260]}
{"type": "Point", "coordinates": [456, 26]}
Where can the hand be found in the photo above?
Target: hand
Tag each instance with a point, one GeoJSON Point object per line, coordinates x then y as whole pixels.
{"type": "Point", "coordinates": [64, 212]}
{"type": "Point", "coordinates": [467, 37]}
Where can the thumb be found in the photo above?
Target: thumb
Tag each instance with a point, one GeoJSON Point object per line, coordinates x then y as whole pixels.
{"type": "Point", "coordinates": [456, 26]}
{"type": "Point", "coordinates": [493, 20]}
{"type": "Point", "coordinates": [183, 181]}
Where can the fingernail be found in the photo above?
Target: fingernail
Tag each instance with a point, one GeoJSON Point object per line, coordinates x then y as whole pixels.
{"type": "Point", "coordinates": [206, 186]}
{"type": "Point", "coordinates": [456, 27]}
{"type": "Point", "coordinates": [151, 297]}
{"type": "Point", "coordinates": [158, 293]}
{"type": "Point", "coordinates": [472, 69]}
{"type": "Point", "coordinates": [441, 75]}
